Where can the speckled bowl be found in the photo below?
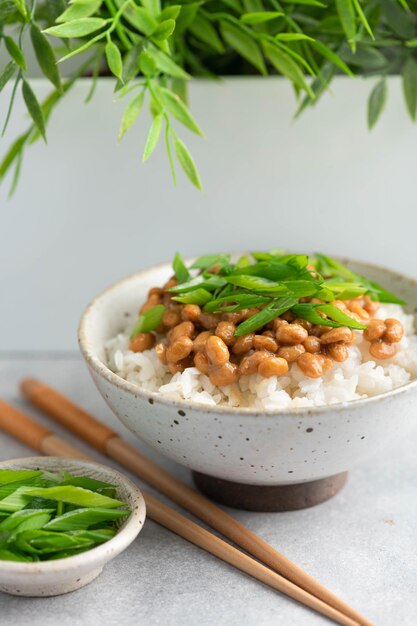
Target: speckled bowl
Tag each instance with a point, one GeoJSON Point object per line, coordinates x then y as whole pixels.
{"type": "Point", "coordinates": [52, 578]}
{"type": "Point", "coordinates": [243, 445]}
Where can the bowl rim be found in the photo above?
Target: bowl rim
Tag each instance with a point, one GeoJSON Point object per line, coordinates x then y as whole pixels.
{"type": "Point", "coordinates": [123, 538]}
{"type": "Point", "coordinates": [102, 370]}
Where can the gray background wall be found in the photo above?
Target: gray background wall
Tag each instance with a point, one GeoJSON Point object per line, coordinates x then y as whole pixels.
{"type": "Point", "coordinates": [87, 212]}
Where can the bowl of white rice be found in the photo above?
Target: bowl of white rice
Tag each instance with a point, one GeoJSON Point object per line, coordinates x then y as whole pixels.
{"type": "Point", "coordinates": [272, 443]}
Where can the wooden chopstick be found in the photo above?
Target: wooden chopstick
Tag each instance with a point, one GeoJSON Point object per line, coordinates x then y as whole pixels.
{"type": "Point", "coordinates": [97, 434]}
{"type": "Point", "coordinates": [35, 435]}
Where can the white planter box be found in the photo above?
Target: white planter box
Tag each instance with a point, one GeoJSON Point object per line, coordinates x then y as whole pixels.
{"type": "Point", "coordinates": [87, 211]}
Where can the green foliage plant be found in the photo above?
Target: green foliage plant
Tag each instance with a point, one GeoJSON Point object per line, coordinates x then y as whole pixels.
{"type": "Point", "coordinates": [152, 48]}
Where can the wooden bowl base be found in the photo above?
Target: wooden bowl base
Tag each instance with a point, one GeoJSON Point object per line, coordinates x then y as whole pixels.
{"type": "Point", "coordinates": [270, 498]}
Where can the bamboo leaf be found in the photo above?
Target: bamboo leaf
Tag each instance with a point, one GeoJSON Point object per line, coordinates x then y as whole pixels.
{"type": "Point", "coordinates": [313, 3]}
{"type": "Point", "coordinates": [147, 64]}
{"type": "Point", "coordinates": [12, 154]}
{"type": "Point", "coordinates": [169, 152]}
{"type": "Point", "coordinates": [45, 56]}
{"type": "Point", "coordinates": [165, 64]}
{"type": "Point", "coordinates": [362, 18]}
{"type": "Point", "coordinates": [54, 9]}
{"type": "Point", "coordinates": [23, 8]}
{"type": "Point", "coordinates": [346, 14]}
{"type": "Point", "coordinates": [77, 28]}
{"type": "Point", "coordinates": [187, 162]}
{"type": "Point", "coordinates": [131, 64]}
{"type": "Point", "coordinates": [131, 113]}
{"type": "Point", "coordinates": [79, 9]}
{"type": "Point", "coordinates": [397, 19]}
{"type": "Point", "coordinates": [292, 37]}
{"type": "Point", "coordinates": [376, 102]}
{"type": "Point", "coordinates": [285, 65]}
{"type": "Point", "coordinates": [204, 30]}
{"type": "Point", "coordinates": [186, 17]}
{"type": "Point", "coordinates": [15, 52]}
{"type": "Point", "coordinates": [259, 17]}
{"type": "Point", "coordinates": [331, 56]}
{"type": "Point", "coordinates": [6, 74]}
{"type": "Point", "coordinates": [94, 79]}
{"type": "Point", "coordinates": [34, 108]}
{"type": "Point", "coordinates": [164, 30]}
{"type": "Point", "coordinates": [153, 137]}
{"type": "Point", "coordinates": [243, 44]}
{"type": "Point", "coordinates": [139, 17]}
{"type": "Point", "coordinates": [366, 58]}
{"type": "Point", "coordinates": [170, 12]}
{"type": "Point", "coordinates": [153, 6]}
{"type": "Point", "coordinates": [409, 80]}
{"type": "Point", "coordinates": [114, 59]}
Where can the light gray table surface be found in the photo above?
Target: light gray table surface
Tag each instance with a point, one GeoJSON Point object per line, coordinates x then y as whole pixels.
{"type": "Point", "coordinates": [362, 544]}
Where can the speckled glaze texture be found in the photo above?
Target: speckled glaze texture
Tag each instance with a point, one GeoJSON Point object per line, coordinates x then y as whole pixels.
{"type": "Point", "coordinates": [243, 445]}
{"type": "Point", "coordinates": [52, 578]}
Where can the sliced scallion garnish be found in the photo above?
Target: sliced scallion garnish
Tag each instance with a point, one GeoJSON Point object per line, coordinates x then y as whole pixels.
{"type": "Point", "coordinates": [268, 281]}
{"type": "Point", "coordinates": [61, 516]}
{"type": "Point", "coordinates": [148, 320]}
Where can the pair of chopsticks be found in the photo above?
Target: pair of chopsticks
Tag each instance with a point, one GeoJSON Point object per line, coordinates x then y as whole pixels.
{"type": "Point", "coordinates": [274, 570]}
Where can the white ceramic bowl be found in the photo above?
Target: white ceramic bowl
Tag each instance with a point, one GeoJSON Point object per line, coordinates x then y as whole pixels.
{"type": "Point", "coordinates": [52, 578]}
{"type": "Point", "coordinates": [245, 445]}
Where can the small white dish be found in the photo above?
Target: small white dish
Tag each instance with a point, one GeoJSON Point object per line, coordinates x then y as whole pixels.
{"type": "Point", "coordinates": [52, 578]}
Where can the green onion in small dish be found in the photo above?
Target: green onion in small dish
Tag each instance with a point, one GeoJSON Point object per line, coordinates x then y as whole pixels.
{"type": "Point", "coordinates": [60, 521]}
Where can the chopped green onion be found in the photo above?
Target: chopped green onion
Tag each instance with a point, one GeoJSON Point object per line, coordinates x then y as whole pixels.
{"type": "Point", "coordinates": [197, 296]}
{"type": "Point", "coordinates": [180, 269]}
{"type": "Point", "coordinates": [148, 320]}
{"type": "Point", "coordinates": [44, 542]}
{"type": "Point", "coordinates": [263, 280]}
{"type": "Point", "coordinates": [210, 260]}
{"type": "Point", "coordinates": [9, 555]}
{"type": "Point", "coordinates": [83, 518]}
{"type": "Point", "coordinates": [12, 476]}
{"type": "Point", "coordinates": [272, 270]}
{"type": "Point", "coordinates": [36, 518]}
{"type": "Point", "coordinates": [212, 281]}
{"type": "Point", "coordinates": [254, 283]}
{"type": "Point", "coordinates": [73, 495]}
{"type": "Point", "coordinates": [335, 317]}
{"type": "Point", "coordinates": [236, 302]}
{"type": "Point", "coordinates": [71, 515]}
{"type": "Point", "coordinates": [15, 501]}
{"type": "Point", "coordinates": [265, 316]}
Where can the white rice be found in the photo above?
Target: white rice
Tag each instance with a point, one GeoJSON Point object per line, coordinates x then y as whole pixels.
{"type": "Point", "coordinates": [359, 376]}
